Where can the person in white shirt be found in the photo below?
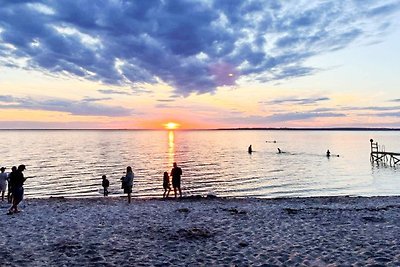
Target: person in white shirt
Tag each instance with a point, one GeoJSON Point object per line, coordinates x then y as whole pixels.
{"type": "Point", "coordinates": [3, 182]}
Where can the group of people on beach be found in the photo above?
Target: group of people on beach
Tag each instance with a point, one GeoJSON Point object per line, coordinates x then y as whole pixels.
{"type": "Point", "coordinates": [127, 182]}
{"type": "Point", "coordinates": [13, 182]}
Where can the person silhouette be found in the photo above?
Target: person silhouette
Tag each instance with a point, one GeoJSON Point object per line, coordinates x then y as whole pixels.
{"type": "Point", "coordinates": [250, 149]}
{"type": "Point", "coordinates": [10, 175]}
{"type": "Point", "coordinates": [328, 153]}
{"type": "Point", "coordinates": [176, 173]}
{"type": "Point", "coordinates": [105, 184]}
{"type": "Point", "coordinates": [279, 150]}
{"type": "Point", "coordinates": [127, 182]}
{"type": "Point", "coordinates": [166, 185]}
{"type": "Point", "coordinates": [17, 182]}
{"type": "Point", "coordinates": [3, 182]}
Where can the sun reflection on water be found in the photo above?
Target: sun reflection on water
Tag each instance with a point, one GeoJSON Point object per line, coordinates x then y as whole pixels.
{"type": "Point", "coordinates": [171, 148]}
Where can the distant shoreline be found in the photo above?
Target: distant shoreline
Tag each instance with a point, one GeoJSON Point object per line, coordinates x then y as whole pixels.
{"type": "Point", "coordinates": [219, 129]}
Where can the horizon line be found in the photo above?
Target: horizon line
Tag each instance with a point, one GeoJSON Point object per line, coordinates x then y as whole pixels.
{"type": "Point", "coordinates": [215, 129]}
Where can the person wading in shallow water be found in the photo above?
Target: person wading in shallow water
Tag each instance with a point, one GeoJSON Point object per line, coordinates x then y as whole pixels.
{"type": "Point", "coordinates": [176, 173]}
{"type": "Point", "coordinates": [17, 182]}
{"type": "Point", "coordinates": [127, 182]}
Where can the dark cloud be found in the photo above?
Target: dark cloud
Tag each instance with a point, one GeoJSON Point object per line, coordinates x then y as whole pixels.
{"type": "Point", "coordinates": [298, 101]}
{"type": "Point", "coordinates": [194, 46]}
{"type": "Point", "coordinates": [86, 107]}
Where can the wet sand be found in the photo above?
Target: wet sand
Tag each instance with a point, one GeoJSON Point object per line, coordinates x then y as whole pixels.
{"type": "Point", "coordinates": [329, 231]}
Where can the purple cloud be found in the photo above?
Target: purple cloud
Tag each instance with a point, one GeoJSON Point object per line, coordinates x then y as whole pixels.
{"type": "Point", "coordinates": [298, 101]}
{"type": "Point", "coordinates": [86, 107]}
{"type": "Point", "coordinates": [194, 46]}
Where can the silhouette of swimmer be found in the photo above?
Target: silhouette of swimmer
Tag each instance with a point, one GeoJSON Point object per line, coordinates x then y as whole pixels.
{"type": "Point", "coordinates": [328, 153]}
{"type": "Point", "coordinates": [271, 141]}
{"type": "Point", "coordinates": [250, 150]}
{"type": "Point", "coordinates": [280, 151]}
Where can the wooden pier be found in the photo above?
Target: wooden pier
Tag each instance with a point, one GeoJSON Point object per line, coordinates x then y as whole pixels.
{"type": "Point", "coordinates": [379, 155]}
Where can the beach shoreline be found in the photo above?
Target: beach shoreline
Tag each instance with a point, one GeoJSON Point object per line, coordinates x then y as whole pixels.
{"type": "Point", "coordinates": [312, 231]}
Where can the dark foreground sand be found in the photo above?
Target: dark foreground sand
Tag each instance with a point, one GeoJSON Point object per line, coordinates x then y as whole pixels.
{"type": "Point", "coordinates": [334, 231]}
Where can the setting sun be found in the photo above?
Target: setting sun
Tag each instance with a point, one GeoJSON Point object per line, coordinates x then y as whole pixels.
{"type": "Point", "coordinates": [171, 125]}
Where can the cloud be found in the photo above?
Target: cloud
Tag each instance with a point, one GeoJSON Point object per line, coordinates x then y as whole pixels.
{"type": "Point", "coordinates": [366, 111]}
{"type": "Point", "coordinates": [96, 99]}
{"type": "Point", "coordinates": [86, 107]}
{"type": "Point", "coordinates": [282, 117]}
{"type": "Point", "coordinates": [112, 92]}
{"type": "Point", "coordinates": [386, 114]}
{"type": "Point", "coordinates": [371, 108]}
{"type": "Point", "coordinates": [165, 100]}
{"type": "Point", "coordinates": [194, 46]}
{"type": "Point", "coordinates": [53, 125]}
{"type": "Point", "coordinates": [295, 116]}
{"type": "Point", "coordinates": [299, 101]}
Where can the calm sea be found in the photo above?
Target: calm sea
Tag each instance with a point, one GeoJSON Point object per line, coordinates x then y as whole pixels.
{"type": "Point", "coordinates": [70, 163]}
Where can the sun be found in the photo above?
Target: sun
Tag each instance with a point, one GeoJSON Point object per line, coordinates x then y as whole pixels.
{"type": "Point", "coordinates": [171, 126]}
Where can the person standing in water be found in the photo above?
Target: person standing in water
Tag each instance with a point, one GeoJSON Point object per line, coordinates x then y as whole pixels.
{"type": "Point", "coordinates": [176, 173]}
{"type": "Point", "coordinates": [328, 153]}
{"type": "Point", "coordinates": [166, 185]}
{"type": "Point", "coordinates": [250, 149]}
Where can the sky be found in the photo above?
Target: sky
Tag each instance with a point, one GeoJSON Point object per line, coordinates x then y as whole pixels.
{"type": "Point", "coordinates": [114, 64]}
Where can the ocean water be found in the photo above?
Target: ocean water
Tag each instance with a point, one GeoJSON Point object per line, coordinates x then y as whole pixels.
{"type": "Point", "coordinates": [70, 163]}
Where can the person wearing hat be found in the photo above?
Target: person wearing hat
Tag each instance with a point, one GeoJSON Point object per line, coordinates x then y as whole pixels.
{"type": "Point", "coordinates": [3, 182]}
{"type": "Point", "coordinates": [17, 182]}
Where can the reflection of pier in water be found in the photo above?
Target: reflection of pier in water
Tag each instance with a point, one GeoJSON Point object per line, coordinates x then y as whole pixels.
{"type": "Point", "coordinates": [171, 148]}
{"type": "Point", "coordinates": [379, 155]}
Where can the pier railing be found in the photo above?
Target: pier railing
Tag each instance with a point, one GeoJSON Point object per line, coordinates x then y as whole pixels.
{"type": "Point", "coordinates": [379, 155]}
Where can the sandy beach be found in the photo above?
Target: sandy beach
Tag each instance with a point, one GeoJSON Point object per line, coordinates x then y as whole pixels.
{"type": "Point", "coordinates": [326, 231]}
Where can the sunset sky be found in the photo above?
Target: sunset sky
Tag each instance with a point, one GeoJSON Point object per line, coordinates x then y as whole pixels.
{"type": "Point", "coordinates": [200, 64]}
